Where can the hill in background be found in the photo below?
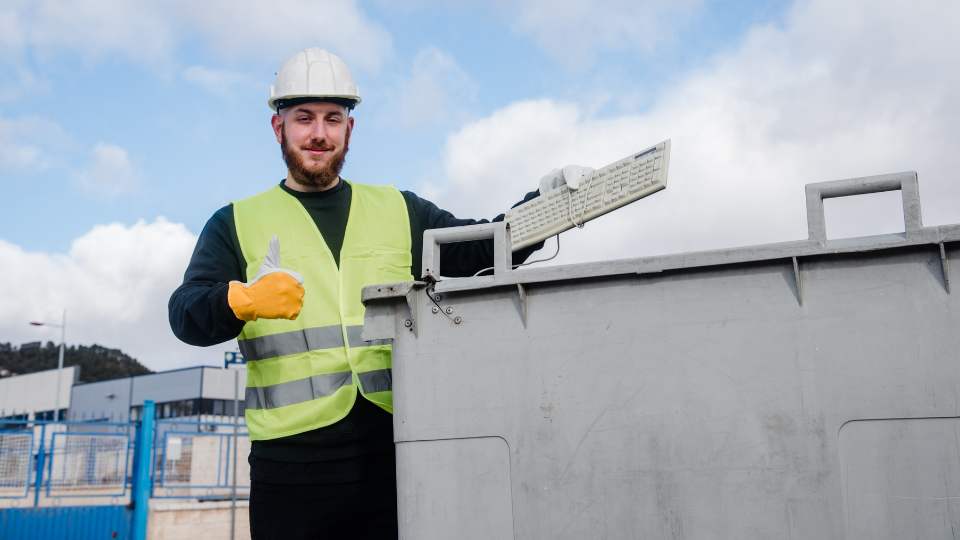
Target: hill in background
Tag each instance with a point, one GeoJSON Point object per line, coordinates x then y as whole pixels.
{"type": "Point", "coordinates": [97, 363]}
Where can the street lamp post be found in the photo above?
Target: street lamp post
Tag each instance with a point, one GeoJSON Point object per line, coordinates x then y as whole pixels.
{"type": "Point", "coordinates": [63, 341]}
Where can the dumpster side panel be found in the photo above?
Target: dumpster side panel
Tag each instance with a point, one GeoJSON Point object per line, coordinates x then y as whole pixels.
{"type": "Point", "coordinates": [901, 477]}
{"type": "Point", "coordinates": [702, 403]}
{"type": "Point", "coordinates": [432, 497]}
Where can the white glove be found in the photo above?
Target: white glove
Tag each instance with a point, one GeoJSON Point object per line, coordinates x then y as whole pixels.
{"type": "Point", "coordinates": [271, 263]}
{"type": "Point", "coordinates": [569, 176]}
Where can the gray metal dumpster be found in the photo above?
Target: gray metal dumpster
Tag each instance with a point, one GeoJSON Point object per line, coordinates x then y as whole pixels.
{"type": "Point", "coordinates": [801, 390]}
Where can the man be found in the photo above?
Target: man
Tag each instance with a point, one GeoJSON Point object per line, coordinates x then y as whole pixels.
{"type": "Point", "coordinates": [282, 273]}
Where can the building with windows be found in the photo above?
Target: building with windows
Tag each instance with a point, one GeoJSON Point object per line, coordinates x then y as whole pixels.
{"type": "Point", "coordinates": [203, 393]}
{"type": "Point", "coordinates": [34, 396]}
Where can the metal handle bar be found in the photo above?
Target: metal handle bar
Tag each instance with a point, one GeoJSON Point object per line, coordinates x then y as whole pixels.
{"type": "Point", "coordinates": [432, 239]}
{"type": "Point", "coordinates": [906, 182]}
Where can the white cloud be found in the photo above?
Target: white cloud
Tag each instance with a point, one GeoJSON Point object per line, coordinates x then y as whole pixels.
{"type": "Point", "coordinates": [110, 172]}
{"type": "Point", "coordinates": [11, 32]}
{"type": "Point", "coordinates": [251, 28]}
{"type": "Point", "coordinates": [834, 93]}
{"type": "Point", "coordinates": [27, 144]}
{"type": "Point", "coordinates": [19, 156]}
{"type": "Point", "coordinates": [437, 91]}
{"type": "Point", "coordinates": [114, 283]}
{"type": "Point", "coordinates": [523, 140]}
{"type": "Point", "coordinates": [140, 31]}
{"type": "Point", "coordinates": [153, 35]}
{"type": "Point", "coordinates": [150, 33]}
{"type": "Point", "coordinates": [220, 82]}
{"type": "Point", "coordinates": [18, 78]}
{"type": "Point", "coordinates": [22, 81]}
{"type": "Point", "coordinates": [574, 31]}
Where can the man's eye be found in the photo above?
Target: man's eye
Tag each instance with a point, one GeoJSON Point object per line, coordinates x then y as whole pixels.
{"type": "Point", "coordinates": [303, 119]}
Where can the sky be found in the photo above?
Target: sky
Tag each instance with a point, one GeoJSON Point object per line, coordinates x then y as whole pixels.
{"type": "Point", "coordinates": [125, 125]}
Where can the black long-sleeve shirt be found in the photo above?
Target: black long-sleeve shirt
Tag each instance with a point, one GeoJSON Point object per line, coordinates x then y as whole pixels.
{"type": "Point", "coordinates": [200, 314]}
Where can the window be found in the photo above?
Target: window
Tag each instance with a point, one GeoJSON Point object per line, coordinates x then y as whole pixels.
{"type": "Point", "coordinates": [218, 407]}
{"type": "Point", "coordinates": [48, 415]}
{"type": "Point", "coordinates": [14, 421]}
{"type": "Point", "coordinates": [181, 408]}
{"type": "Point", "coordinates": [189, 407]}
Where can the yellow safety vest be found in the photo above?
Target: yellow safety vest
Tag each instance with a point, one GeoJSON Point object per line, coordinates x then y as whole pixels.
{"type": "Point", "coordinates": [304, 374]}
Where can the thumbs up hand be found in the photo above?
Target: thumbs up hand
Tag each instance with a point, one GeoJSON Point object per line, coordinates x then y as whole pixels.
{"type": "Point", "coordinates": [271, 263]}
{"type": "Point", "coordinates": [274, 293]}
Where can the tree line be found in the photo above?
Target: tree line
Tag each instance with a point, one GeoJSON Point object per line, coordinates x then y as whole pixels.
{"type": "Point", "coordinates": [97, 363]}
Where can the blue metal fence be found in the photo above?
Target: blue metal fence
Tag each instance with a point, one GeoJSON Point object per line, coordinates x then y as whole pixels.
{"type": "Point", "coordinates": [49, 460]}
{"type": "Point", "coordinates": [73, 522]}
{"type": "Point", "coordinates": [180, 453]}
{"type": "Point", "coordinates": [88, 465]}
{"type": "Point", "coordinates": [107, 471]}
{"type": "Point", "coordinates": [199, 463]}
{"type": "Point", "coordinates": [16, 462]}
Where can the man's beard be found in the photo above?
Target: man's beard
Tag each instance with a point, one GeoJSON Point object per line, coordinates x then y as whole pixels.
{"type": "Point", "coordinates": [325, 177]}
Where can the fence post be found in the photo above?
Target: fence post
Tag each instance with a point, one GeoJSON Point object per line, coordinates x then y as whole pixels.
{"type": "Point", "coordinates": [141, 474]}
{"type": "Point", "coordinates": [233, 484]}
{"type": "Point", "coordinates": [41, 451]}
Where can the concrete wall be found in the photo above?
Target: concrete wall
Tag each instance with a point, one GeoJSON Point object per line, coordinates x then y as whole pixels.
{"type": "Point", "coordinates": [213, 453]}
{"type": "Point", "coordinates": [207, 520]}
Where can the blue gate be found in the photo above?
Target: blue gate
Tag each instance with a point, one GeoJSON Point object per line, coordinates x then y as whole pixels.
{"type": "Point", "coordinates": [75, 480]}
{"type": "Point", "coordinates": [74, 522]}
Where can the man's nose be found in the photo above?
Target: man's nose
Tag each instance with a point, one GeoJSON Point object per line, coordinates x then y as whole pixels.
{"type": "Point", "coordinates": [318, 132]}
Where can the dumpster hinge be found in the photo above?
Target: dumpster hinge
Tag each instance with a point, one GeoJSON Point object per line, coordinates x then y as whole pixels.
{"type": "Point", "coordinates": [945, 267]}
{"type": "Point", "coordinates": [522, 303]}
{"type": "Point", "coordinates": [797, 280]}
{"type": "Point", "coordinates": [447, 311]}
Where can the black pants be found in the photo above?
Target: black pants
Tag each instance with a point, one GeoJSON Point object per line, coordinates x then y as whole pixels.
{"type": "Point", "coordinates": [352, 498]}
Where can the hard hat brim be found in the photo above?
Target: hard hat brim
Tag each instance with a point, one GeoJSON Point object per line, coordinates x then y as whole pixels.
{"type": "Point", "coordinates": [278, 103]}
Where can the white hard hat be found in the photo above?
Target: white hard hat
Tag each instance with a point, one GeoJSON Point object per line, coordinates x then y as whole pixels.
{"type": "Point", "coordinates": [314, 73]}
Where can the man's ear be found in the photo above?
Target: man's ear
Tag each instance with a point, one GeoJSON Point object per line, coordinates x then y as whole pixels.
{"type": "Point", "coordinates": [349, 127]}
{"type": "Point", "coordinates": [276, 121]}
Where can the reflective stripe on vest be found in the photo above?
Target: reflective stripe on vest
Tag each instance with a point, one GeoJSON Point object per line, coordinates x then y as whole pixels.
{"type": "Point", "coordinates": [301, 341]}
{"type": "Point", "coordinates": [380, 380]}
{"type": "Point", "coordinates": [317, 386]}
{"type": "Point", "coordinates": [305, 373]}
{"type": "Point", "coordinates": [290, 393]}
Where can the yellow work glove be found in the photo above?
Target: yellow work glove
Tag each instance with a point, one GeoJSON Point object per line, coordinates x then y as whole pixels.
{"type": "Point", "coordinates": [275, 293]}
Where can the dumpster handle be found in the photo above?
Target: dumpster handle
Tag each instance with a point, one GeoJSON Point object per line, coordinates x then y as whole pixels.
{"type": "Point", "coordinates": [433, 238]}
{"type": "Point", "coordinates": [906, 182]}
